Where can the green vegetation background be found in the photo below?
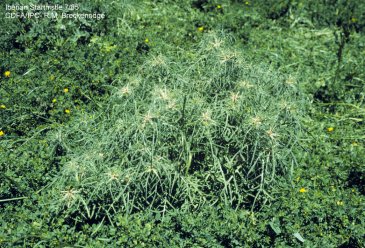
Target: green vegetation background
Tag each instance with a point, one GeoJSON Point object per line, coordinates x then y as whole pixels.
{"type": "Point", "coordinates": [66, 76]}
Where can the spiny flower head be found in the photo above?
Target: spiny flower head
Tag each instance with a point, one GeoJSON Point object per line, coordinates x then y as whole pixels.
{"type": "Point", "coordinates": [206, 117]}
{"type": "Point", "coordinates": [162, 94]}
{"type": "Point", "coordinates": [69, 196]}
{"type": "Point", "coordinates": [216, 43]}
{"type": "Point", "coordinates": [171, 105]}
{"type": "Point", "coordinates": [150, 169]}
{"type": "Point", "coordinates": [147, 117]}
{"type": "Point", "coordinates": [257, 121]}
{"type": "Point", "coordinates": [284, 105]}
{"type": "Point", "coordinates": [234, 97]}
{"type": "Point", "coordinates": [245, 84]}
{"type": "Point", "coordinates": [126, 90]}
{"type": "Point", "coordinates": [113, 176]}
{"type": "Point", "coordinates": [290, 81]}
{"type": "Point", "coordinates": [227, 56]}
{"type": "Point", "coordinates": [158, 61]}
{"type": "Point", "coordinates": [271, 134]}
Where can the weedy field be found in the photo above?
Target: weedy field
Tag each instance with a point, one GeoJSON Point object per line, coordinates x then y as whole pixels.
{"type": "Point", "coordinates": [194, 123]}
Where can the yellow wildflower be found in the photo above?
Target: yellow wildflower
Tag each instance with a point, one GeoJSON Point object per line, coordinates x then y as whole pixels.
{"type": "Point", "coordinates": [353, 19]}
{"type": "Point", "coordinates": [219, 6]}
{"type": "Point", "coordinates": [2, 133]}
{"type": "Point", "coordinates": [247, 2]}
{"type": "Point", "coordinates": [2, 106]}
{"type": "Point", "coordinates": [7, 74]}
{"type": "Point", "coordinates": [146, 40]}
{"type": "Point", "coordinates": [65, 90]}
{"type": "Point", "coordinates": [54, 100]}
{"type": "Point", "coordinates": [330, 129]}
{"type": "Point", "coordinates": [201, 29]}
{"type": "Point", "coordinates": [302, 190]}
{"type": "Point", "coordinates": [339, 203]}
{"type": "Point", "coordinates": [67, 111]}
